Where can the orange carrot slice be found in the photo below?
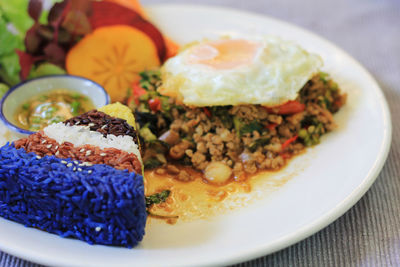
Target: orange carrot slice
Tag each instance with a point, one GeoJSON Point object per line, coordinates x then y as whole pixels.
{"type": "Point", "coordinates": [112, 56]}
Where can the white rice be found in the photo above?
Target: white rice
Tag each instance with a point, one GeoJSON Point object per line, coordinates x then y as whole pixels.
{"type": "Point", "coordinates": [81, 135]}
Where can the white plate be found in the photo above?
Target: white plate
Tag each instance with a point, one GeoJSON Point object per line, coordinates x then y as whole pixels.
{"type": "Point", "coordinates": [332, 178]}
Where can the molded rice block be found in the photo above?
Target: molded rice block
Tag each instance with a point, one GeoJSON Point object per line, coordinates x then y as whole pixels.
{"type": "Point", "coordinates": [97, 204]}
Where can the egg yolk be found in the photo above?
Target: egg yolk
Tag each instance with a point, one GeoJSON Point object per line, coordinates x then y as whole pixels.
{"type": "Point", "coordinates": [226, 54]}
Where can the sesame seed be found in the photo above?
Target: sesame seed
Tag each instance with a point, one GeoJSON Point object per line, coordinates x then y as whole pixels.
{"type": "Point", "coordinates": [74, 169]}
{"type": "Point", "coordinates": [79, 169]}
{"type": "Point", "coordinates": [88, 153]}
{"type": "Point", "coordinates": [91, 124]}
{"type": "Point", "coordinates": [98, 229]}
{"type": "Point", "coordinates": [76, 162]}
{"type": "Point", "coordinates": [57, 153]}
{"type": "Point", "coordinates": [38, 157]}
{"type": "Point", "coordinates": [49, 146]}
{"type": "Point", "coordinates": [89, 171]}
{"type": "Point", "coordinates": [77, 123]}
{"type": "Point", "coordinates": [64, 162]}
{"type": "Point", "coordinates": [44, 141]}
{"type": "Point", "coordinates": [56, 147]}
{"type": "Point", "coordinates": [104, 126]}
{"type": "Point", "coordinates": [103, 154]}
{"type": "Point", "coordinates": [69, 164]}
{"type": "Point", "coordinates": [82, 150]}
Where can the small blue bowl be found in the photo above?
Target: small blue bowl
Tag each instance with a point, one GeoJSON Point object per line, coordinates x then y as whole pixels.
{"type": "Point", "coordinates": [20, 93]}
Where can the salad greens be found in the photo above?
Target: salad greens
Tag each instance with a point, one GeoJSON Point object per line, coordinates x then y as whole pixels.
{"type": "Point", "coordinates": [15, 13]}
{"type": "Point", "coordinates": [9, 63]}
{"type": "Point", "coordinates": [36, 35]}
{"type": "Point", "coordinates": [46, 69]}
{"type": "Point", "coordinates": [3, 89]}
{"type": "Point", "coordinates": [14, 24]}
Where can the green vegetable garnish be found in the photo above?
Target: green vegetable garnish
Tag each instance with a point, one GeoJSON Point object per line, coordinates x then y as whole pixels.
{"type": "Point", "coordinates": [257, 143]}
{"type": "Point", "coordinates": [43, 98]}
{"type": "Point", "coordinates": [25, 106]}
{"type": "Point", "coordinates": [75, 106]}
{"type": "Point", "coordinates": [311, 135]}
{"type": "Point", "coordinates": [34, 128]}
{"type": "Point", "coordinates": [152, 163]}
{"type": "Point", "coordinates": [146, 133]}
{"type": "Point", "coordinates": [144, 97]}
{"type": "Point", "coordinates": [242, 128]}
{"type": "Point", "coordinates": [36, 120]}
{"type": "Point", "coordinates": [57, 119]}
{"type": "Point", "coordinates": [251, 127]}
{"type": "Point", "coordinates": [328, 104]}
{"type": "Point", "coordinates": [157, 198]}
{"type": "Point", "coordinates": [222, 112]}
{"type": "Point", "coordinates": [76, 96]}
{"type": "Point", "coordinates": [334, 86]}
{"type": "Point", "coordinates": [323, 76]}
{"type": "Point", "coordinates": [237, 123]}
{"type": "Point", "coordinates": [48, 114]}
{"type": "Point", "coordinates": [158, 145]}
{"type": "Point", "coordinates": [303, 133]}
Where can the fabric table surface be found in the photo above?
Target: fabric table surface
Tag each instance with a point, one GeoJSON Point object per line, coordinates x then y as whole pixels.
{"type": "Point", "coordinates": [369, 30]}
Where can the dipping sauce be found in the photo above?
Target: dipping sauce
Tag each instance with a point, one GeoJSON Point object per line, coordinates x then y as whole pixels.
{"type": "Point", "coordinates": [51, 107]}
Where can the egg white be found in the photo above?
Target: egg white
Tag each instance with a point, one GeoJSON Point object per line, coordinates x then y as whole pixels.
{"type": "Point", "coordinates": [278, 70]}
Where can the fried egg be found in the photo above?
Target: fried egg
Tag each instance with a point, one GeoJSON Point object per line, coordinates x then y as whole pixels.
{"type": "Point", "coordinates": [231, 71]}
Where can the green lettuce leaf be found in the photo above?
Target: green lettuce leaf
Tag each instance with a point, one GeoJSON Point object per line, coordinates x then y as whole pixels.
{"type": "Point", "coordinates": [9, 69]}
{"type": "Point", "coordinates": [9, 62]}
{"type": "Point", "coordinates": [45, 69]}
{"type": "Point", "coordinates": [15, 12]}
{"type": "Point", "coordinates": [3, 89]}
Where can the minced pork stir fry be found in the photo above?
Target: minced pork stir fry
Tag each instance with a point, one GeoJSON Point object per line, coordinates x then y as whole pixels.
{"type": "Point", "coordinates": [243, 139]}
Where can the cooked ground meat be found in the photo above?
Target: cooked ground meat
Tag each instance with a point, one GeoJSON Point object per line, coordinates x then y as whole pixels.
{"type": "Point", "coordinates": [247, 138]}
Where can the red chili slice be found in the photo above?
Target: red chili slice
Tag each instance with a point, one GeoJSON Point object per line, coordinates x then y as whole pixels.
{"type": "Point", "coordinates": [271, 126]}
{"type": "Point", "coordinates": [207, 112]}
{"type": "Point", "coordinates": [137, 91]}
{"type": "Point", "coordinates": [289, 141]}
{"type": "Point", "coordinates": [290, 107]}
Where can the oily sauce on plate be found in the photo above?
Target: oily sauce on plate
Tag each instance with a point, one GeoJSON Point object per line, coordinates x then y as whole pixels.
{"type": "Point", "coordinates": [198, 199]}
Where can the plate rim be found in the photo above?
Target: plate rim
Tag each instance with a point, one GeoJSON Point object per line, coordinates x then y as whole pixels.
{"type": "Point", "coordinates": [322, 221]}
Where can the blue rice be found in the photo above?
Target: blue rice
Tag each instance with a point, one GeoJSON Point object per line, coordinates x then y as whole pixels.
{"type": "Point", "coordinates": [97, 204]}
